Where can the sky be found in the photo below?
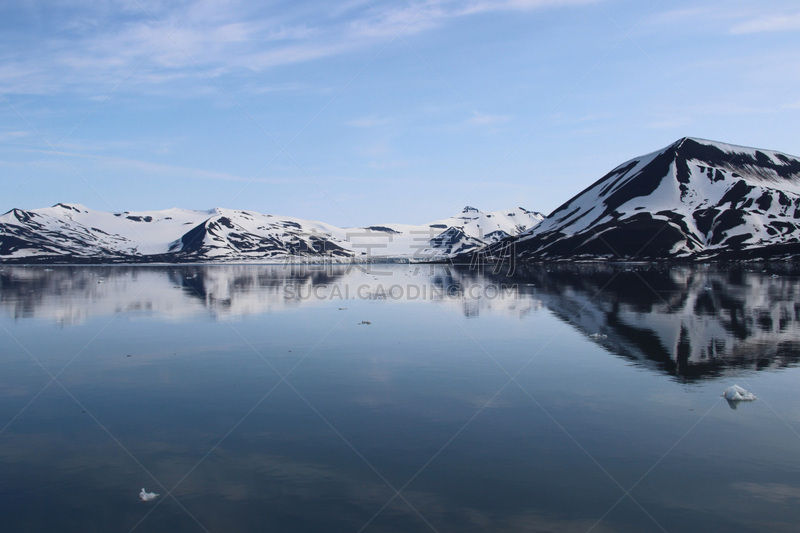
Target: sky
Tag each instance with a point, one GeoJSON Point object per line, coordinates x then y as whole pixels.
{"type": "Point", "coordinates": [360, 112]}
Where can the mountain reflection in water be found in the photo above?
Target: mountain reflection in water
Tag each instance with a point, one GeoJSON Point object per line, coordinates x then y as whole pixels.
{"type": "Point", "coordinates": [689, 323]}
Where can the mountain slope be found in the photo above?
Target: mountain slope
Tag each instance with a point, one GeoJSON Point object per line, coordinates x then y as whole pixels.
{"type": "Point", "coordinates": [72, 229]}
{"type": "Point", "coordinates": [693, 199]}
{"type": "Point", "coordinates": [74, 233]}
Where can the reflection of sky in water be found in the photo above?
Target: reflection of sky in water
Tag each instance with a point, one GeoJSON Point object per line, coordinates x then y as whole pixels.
{"type": "Point", "coordinates": [419, 400]}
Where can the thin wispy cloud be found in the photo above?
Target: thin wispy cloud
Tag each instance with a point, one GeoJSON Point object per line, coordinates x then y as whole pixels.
{"type": "Point", "coordinates": [13, 135]}
{"type": "Point", "coordinates": [672, 123]}
{"type": "Point", "coordinates": [161, 169]}
{"type": "Point", "coordinates": [770, 23]}
{"type": "Point", "coordinates": [486, 119]}
{"type": "Point", "coordinates": [571, 119]}
{"type": "Point", "coordinates": [154, 43]}
{"type": "Point", "coordinates": [680, 16]}
{"type": "Point", "coordinates": [367, 122]}
{"type": "Point", "coordinates": [517, 5]}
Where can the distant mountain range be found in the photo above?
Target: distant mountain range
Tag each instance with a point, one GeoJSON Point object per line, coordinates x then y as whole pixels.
{"type": "Point", "coordinates": [72, 233]}
{"type": "Point", "coordinates": [694, 199]}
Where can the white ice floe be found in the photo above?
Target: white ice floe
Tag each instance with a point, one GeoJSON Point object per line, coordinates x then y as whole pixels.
{"type": "Point", "coordinates": [147, 496]}
{"type": "Point", "coordinates": [735, 393]}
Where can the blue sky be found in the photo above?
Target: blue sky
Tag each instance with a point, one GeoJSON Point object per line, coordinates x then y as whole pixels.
{"type": "Point", "coordinates": [360, 112]}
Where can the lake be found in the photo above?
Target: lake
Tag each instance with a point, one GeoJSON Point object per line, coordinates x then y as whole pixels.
{"type": "Point", "coordinates": [396, 398]}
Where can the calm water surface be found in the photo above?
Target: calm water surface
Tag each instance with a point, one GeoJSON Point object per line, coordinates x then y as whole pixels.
{"type": "Point", "coordinates": [396, 399]}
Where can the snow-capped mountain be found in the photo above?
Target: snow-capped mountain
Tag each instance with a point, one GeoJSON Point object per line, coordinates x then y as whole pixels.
{"type": "Point", "coordinates": [74, 233]}
{"type": "Point", "coordinates": [695, 199]}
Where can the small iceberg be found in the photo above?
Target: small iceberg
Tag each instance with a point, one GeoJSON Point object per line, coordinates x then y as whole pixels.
{"type": "Point", "coordinates": [147, 496]}
{"type": "Point", "coordinates": [735, 393]}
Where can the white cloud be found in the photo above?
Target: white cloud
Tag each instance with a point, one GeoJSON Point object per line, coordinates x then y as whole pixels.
{"type": "Point", "coordinates": [141, 45]}
{"type": "Point", "coordinates": [11, 135]}
{"type": "Point", "coordinates": [367, 122]}
{"type": "Point", "coordinates": [483, 119]}
{"type": "Point", "coordinates": [391, 23]}
{"type": "Point", "coordinates": [770, 23]}
{"type": "Point", "coordinates": [376, 149]}
{"type": "Point", "coordinates": [681, 16]}
{"type": "Point", "coordinates": [171, 171]}
{"type": "Point", "coordinates": [481, 6]}
{"type": "Point", "coordinates": [670, 123]}
{"type": "Point", "coordinates": [540, 4]}
{"type": "Point", "coordinates": [567, 119]}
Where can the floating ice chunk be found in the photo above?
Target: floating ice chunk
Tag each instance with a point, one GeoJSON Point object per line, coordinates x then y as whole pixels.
{"type": "Point", "coordinates": [735, 393]}
{"type": "Point", "coordinates": [147, 496]}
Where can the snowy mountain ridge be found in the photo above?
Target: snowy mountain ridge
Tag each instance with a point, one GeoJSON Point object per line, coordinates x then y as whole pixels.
{"type": "Point", "coordinates": [695, 199]}
{"type": "Point", "coordinates": [75, 233]}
